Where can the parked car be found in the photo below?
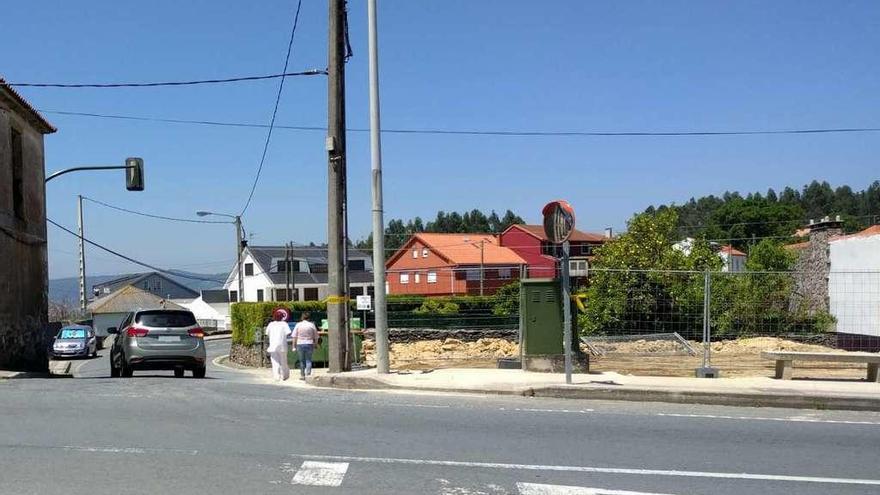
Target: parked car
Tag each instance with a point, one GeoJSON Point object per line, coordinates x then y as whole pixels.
{"type": "Point", "coordinates": [75, 341]}
{"type": "Point", "coordinates": [158, 339]}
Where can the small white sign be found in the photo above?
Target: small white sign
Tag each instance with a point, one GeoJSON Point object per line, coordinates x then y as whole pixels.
{"type": "Point", "coordinates": [364, 303]}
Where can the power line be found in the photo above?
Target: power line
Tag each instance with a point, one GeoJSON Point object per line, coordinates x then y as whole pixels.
{"type": "Point", "coordinates": [132, 260]}
{"type": "Point", "coordinates": [311, 72]}
{"type": "Point", "coordinates": [833, 130]}
{"type": "Point", "coordinates": [150, 215]}
{"type": "Point", "coordinates": [275, 109]}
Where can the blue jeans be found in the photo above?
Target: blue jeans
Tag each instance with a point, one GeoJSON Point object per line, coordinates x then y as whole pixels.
{"type": "Point", "coordinates": [305, 358]}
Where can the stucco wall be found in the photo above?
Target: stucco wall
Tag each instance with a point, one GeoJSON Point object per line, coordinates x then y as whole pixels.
{"type": "Point", "coordinates": [23, 260]}
{"type": "Point", "coordinates": [854, 284]}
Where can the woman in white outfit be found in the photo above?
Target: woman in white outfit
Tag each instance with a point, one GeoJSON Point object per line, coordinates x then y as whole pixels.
{"type": "Point", "coordinates": [278, 331]}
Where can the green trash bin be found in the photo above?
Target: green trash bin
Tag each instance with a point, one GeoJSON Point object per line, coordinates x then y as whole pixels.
{"type": "Point", "coordinates": [320, 355]}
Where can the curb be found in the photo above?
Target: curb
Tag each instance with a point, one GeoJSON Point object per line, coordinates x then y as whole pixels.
{"type": "Point", "coordinates": [792, 401]}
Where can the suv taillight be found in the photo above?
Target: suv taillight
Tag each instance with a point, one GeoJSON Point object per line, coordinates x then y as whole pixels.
{"type": "Point", "coordinates": [196, 332]}
{"type": "Point", "coordinates": [137, 332]}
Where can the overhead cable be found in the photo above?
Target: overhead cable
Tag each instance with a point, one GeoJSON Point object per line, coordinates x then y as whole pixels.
{"type": "Point", "coordinates": [274, 110]}
{"type": "Point", "coordinates": [475, 132]}
{"type": "Point", "coordinates": [150, 215]}
{"type": "Point", "coordinates": [132, 260]}
{"type": "Point", "coordinates": [311, 72]}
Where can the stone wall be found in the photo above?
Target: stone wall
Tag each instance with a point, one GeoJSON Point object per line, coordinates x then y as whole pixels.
{"type": "Point", "coordinates": [23, 259]}
{"type": "Point", "coordinates": [249, 355]}
{"type": "Point", "coordinates": [812, 269]}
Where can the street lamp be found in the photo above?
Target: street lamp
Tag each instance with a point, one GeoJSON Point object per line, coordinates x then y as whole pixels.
{"type": "Point", "coordinates": [236, 220]}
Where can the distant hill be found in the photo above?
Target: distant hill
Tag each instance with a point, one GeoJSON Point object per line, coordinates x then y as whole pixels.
{"type": "Point", "coordinates": [67, 289]}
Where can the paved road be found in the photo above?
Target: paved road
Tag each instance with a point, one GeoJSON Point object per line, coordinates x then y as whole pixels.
{"type": "Point", "coordinates": [236, 433]}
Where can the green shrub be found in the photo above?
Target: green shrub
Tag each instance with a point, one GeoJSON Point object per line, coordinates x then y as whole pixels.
{"type": "Point", "coordinates": [249, 316]}
{"type": "Point", "coordinates": [436, 306]}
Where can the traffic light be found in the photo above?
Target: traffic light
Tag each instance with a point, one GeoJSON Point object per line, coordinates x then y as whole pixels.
{"type": "Point", "coordinates": [134, 174]}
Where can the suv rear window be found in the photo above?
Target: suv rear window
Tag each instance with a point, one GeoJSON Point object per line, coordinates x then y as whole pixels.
{"type": "Point", "coordinates": [166, 319]}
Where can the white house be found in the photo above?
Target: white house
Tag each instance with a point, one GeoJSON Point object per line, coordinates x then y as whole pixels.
{"type": "Point", "coordinates": [266, 274]}
{"type": "Point", "coordinates": [211, 309]}
{"type": "Point", "coordinates": [854, 282]}
{"type": "Point", "coordinates": [733, 260]}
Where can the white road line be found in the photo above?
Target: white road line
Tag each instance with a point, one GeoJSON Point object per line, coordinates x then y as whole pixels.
{"type": "Point", "coordinates": [759, 418]}
{"type": "Point", "coordinates": [128, 450]}
{"type": "Point", "coordinates": [594, 469]}
{"type": "Point", "coordinates": [574, 411]}
{"type": "Point", "coordinates": [538, 489]}
{"type": "Point", "coordinates": [314, 473]}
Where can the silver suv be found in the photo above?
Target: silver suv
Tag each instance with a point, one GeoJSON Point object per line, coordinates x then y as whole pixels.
{"type": "Point", "coordinates": [158, 339]}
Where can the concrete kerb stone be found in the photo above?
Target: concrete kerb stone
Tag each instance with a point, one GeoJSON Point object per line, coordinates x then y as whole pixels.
{"type": "Point", "coordinates": [636, 394]}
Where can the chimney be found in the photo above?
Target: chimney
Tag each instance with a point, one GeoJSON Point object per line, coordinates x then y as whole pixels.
{"type": "Point", "coordinates": [608, 233]}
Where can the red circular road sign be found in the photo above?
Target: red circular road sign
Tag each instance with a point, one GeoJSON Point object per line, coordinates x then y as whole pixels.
{"type": "Point", "coordinates": [558, 221]}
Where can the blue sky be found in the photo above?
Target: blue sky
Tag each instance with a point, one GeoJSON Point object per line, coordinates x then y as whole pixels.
{"type": "Point", "coordinates": [450, 64]}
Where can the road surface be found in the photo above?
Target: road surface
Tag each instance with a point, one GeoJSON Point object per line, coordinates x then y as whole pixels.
{"type": "Point", "coordinates": [236, 433]}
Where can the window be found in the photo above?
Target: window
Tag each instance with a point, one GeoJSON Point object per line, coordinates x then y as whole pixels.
{"type": "Point", "coordinates": [310, 293]}
{"type": "Point", "coordinates": [17, 176]}
{"type": "Point", "coordinates": [166, 318]}
{"type": "Point", "coordinates": [432, 277]}
{"type": "Point", "coordinates": [424, 252]}
{"type": "Point", "coordinates": [248, 269]}
{"type": "Point", "coordinates": [578, 268]}
{"type": "Point", "coordinates": [281, 295]}
{"type": "Point", "coordinates": [585, 250]}
{"type": "Point", "coordinates": [418, 278]}
{"type": "Point", "coordinates": [357, 265]}
{"type": "Point", "coordinates": [404, 278]}
{"type": "Point", "coordinates": [550, 249]}
{"type": "Point", "coordinates": [472, 274]}
{"type": "Point", "coordinates": [282, 265]}
{"type": "Point", "coordinates": [259, 295]}
{"type": "Point", "coordinates": [504, 273]}
{"type": "Point", "coordinates": [233, 296]}
{"type": "Point", "coordinates": [415, 253]}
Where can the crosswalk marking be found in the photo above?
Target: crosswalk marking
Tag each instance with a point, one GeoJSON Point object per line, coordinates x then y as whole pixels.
{"type": "Point", "coordinates": [539, 489]}
{"type": "Point", "coordinates": [314, 473]}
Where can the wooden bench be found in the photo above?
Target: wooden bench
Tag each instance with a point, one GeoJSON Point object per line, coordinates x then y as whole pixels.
{"type": "Point", "coordinates": [784, 360]}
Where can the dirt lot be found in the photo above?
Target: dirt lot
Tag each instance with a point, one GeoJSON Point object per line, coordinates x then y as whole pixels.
{"type": "Point", "coordinates": [654, 358]}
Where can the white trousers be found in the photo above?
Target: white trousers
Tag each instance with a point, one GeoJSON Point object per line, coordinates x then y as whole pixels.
{"type": "Point", "coordinates": [280, 370]}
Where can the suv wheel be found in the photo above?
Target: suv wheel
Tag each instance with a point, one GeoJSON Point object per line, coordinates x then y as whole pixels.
{"type": "Point", "coordinates": [127, 372]}
{"type": "Point", "coordinates": [178, 372]}
{"type": "Point", "coordinates": [114, 371]}
{"type": "Point", "coordinates": [199, 372]}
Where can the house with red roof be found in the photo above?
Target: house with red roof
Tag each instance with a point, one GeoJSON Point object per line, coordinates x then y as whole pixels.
{"type": "Point", "coordinates": [433, 264]}
{"type": "Point", "coordinates": [530, 243]}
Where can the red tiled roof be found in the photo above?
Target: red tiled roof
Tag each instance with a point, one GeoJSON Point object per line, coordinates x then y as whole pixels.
{"type": "Point", "coordinates": [576, 235]}
{"type": "Point", "coordinates": [31, 113]}
{"type": "Point", "coordinates": [732, 251]}
{"type": "Point", "coordinates": [464, 249]}
{"type": "Point", "coordinates": [870, 231]}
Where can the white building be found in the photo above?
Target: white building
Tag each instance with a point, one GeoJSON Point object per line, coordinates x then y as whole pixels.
{"type": "Point", "coordinates": [733, 260]}
{"type": "Point", "coordinates": [854, 282]}
{"type": "Point", "coordinates": [266, 274]}
{"type": "Point", "coordinates": [211, 309]}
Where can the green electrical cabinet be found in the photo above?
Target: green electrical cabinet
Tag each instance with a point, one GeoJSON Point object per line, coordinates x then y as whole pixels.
{"type": "Point", "coordinates": [541, 309]}
{"type": "Point", "coordinates": [542, 316]}
{"type": "Point", "coordinates": [319, 357]}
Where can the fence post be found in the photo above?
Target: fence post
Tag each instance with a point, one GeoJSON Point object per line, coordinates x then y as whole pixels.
{"type": "Point", "coordinates": [706, 370]}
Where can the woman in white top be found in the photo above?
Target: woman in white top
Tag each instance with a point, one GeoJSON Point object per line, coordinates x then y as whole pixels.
{"type": "Point", "coordinates": [278, 331]}
{"type": "Point", "coordinates": [305, 337]}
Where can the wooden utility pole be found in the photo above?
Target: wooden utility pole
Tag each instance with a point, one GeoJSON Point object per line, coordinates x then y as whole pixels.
{"type": "Point", "coordinates": [337, 303]}
{"type": "Point", "coordinates": [83, 288]}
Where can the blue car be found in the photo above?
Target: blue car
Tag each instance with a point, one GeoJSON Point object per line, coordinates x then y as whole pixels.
{"type": "Point", "coordinates": [75, 341]}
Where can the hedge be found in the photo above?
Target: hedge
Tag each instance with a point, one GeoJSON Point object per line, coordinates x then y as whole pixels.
{"type": "Point", "coordinates": [249, 316]}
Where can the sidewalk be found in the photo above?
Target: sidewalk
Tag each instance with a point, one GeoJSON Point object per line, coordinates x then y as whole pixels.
{"type": "Point", "coordinates": [755, 391]}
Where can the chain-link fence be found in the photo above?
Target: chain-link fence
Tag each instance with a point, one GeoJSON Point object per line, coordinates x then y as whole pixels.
{"type": "Point", "coordinates": [452, 317]}
{"type": "Point", "coordinates": [645, 322]}
{"type": "Point", "coordinates": [670, 322]}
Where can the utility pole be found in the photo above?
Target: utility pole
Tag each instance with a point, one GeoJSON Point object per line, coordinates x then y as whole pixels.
{"type": "Point", "coordinates": [238, 249]}
{"type": "Point", "coordinates": [83, 297]}
{"type": "Point", "coordinates": [287, 266]}
{"type": "Point", "coordinates": [380, 308]}
{"type": "Point", "coordinates": [336, 301]}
